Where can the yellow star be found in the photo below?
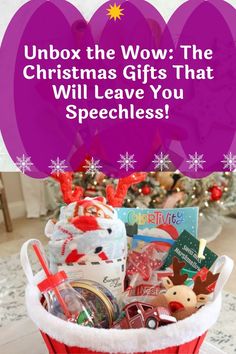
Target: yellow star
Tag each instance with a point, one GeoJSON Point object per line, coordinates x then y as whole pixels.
{"type": "Point", "coordinates": [115, 12]}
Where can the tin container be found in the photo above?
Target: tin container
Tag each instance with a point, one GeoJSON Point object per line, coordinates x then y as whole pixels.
{"type": "Point", "coordinates": [100, 299]}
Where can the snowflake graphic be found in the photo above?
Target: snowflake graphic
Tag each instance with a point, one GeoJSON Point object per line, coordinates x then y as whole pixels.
{"type": "Point", "coordinates": [58, 166]}
{"type": "Point", "coordinates": [161, 161]}
{"type": "Point", "coordinates": [24, 163]}
{"type": "Point", "coordinates": [126, 161]}
{"type": "Point", "coordinates": [92, 167]}
{"type": "Point", "coordinates": [195, 161]}
{"type": "Point", "coordinates": [230, 161]}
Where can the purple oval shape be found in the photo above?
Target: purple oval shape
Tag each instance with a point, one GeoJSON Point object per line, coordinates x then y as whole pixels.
{"type": "Point", "coordinates": [208, 111]}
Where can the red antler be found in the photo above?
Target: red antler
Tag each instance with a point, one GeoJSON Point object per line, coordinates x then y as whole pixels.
{"type": "Point", "coordinates": [70, 195]}
{"type": "Point", "coordinates": [202, 286]}
{"type": "Point", "coordinates": [178, 278]}
{"type": "Point", "coordinates": [116, 197]}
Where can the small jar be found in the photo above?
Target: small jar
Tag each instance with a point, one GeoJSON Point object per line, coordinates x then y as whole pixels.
{"type": "Point", "coordinates": [100, 299]}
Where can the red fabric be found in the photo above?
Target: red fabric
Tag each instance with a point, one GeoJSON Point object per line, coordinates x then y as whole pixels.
{"type": "Point", "coordinates": [199, 343]}
{"type": "Point", "coordinates": [100, 199]}
{"type": "Point", "coordinates": [192, 347]}
{"type": "Point", "coordinates": [103, 256]}
{"type": "Point", "coordinates": [48, 343]}
{"type": "Point", "coordinates": [74, 256]}
{"type": "Point", "coordinates": [85, 223]}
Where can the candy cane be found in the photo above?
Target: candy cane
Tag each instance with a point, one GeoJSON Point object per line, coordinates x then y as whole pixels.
{"type": "Point", "coordinates": [68, 239]}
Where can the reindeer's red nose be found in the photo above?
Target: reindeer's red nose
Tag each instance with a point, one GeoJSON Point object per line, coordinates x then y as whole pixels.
{"type": "Point", "coordinates": [175, 306]}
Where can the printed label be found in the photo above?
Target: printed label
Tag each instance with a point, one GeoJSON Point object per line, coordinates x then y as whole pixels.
{"type": "Point", "coordinates": [110, 274]}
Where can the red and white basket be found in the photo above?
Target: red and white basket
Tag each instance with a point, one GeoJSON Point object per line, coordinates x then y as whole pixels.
{"type": "Point", "coordinates": [184, 337]}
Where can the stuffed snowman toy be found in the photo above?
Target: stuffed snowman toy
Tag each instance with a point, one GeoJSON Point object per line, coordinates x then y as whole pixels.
{"type": "Point", "coordinates": [88, 230]}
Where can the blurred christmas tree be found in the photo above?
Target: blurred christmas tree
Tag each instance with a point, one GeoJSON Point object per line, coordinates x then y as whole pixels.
{"type": "Point", "coordinates": [215, 195]}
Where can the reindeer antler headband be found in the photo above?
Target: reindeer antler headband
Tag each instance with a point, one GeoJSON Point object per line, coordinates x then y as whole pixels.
{"type": "Point", "coordinates": [115, 197]}
{"type": "Point", "coordinates": [69, 193]}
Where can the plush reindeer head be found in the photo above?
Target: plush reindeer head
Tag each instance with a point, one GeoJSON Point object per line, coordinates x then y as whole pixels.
{"type": "Point", "coordinates": [181, 297]}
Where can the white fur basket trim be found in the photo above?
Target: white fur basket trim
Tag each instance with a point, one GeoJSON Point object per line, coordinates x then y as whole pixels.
{"type": "Point", "coordinates": [121, 341]}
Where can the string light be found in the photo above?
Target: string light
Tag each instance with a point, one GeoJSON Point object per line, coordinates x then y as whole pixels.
{"type": "Point", "coordinates": [194, 192]}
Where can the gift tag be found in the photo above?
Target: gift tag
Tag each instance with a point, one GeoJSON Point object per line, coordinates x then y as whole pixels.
{"type": "Point", "coordinates": [186, 250]}
{"type": "Point", "coordinates": [110, 274]}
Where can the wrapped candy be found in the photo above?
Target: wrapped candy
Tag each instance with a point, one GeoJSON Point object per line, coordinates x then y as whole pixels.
{"type": "Point", "coordinates": [142, 272]}
{"type": "Point", "coordinates": [143, 263]}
